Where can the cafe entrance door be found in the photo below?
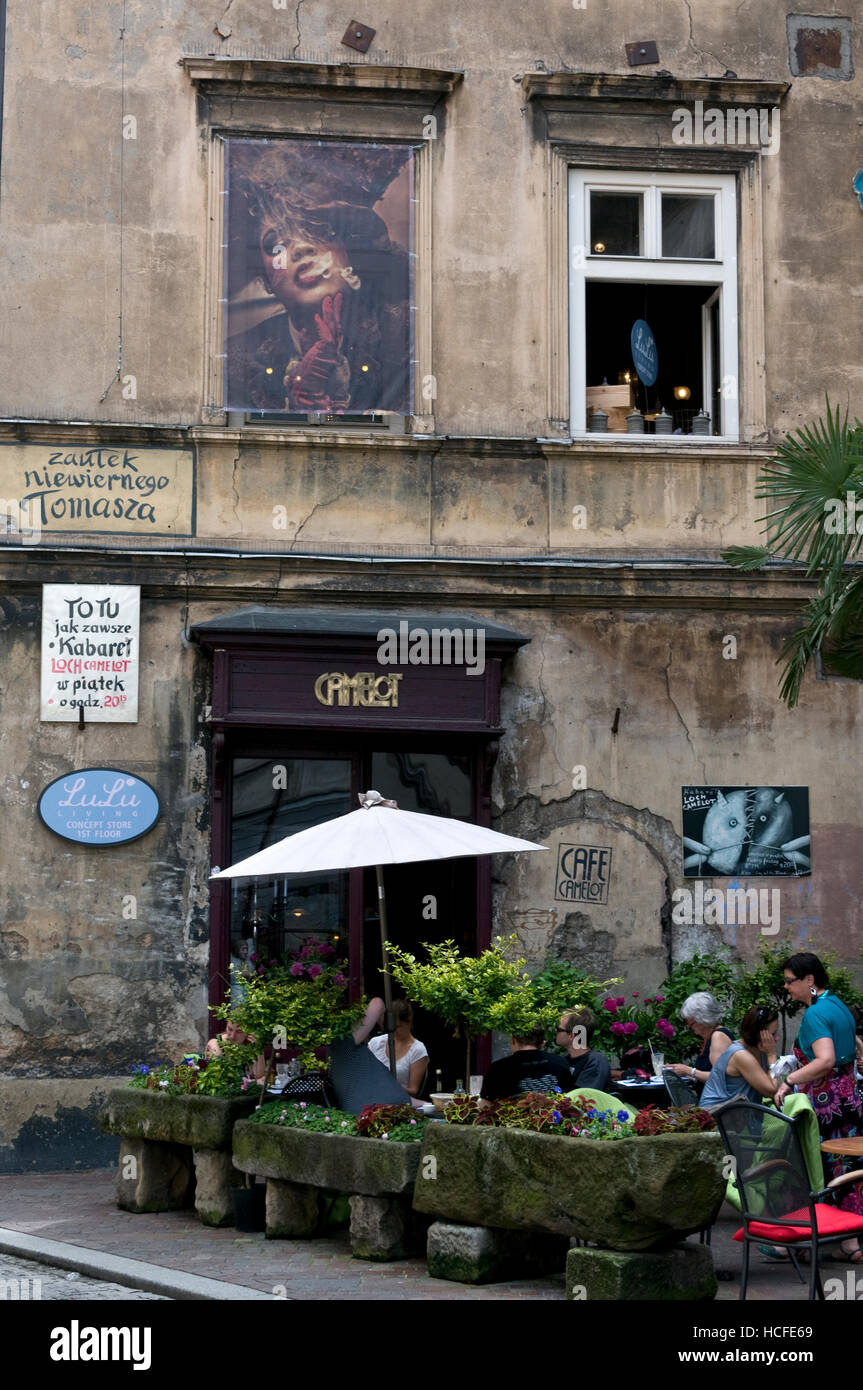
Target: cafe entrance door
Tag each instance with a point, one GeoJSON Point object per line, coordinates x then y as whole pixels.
{"type": "Point", "coordinates": [288, 789]}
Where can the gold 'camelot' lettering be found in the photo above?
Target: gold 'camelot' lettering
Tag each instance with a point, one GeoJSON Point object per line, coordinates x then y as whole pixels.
{"type": "Point", "coordinates": [365, 689]}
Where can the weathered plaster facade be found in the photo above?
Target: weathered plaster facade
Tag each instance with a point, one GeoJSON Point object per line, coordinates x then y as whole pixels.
{"type": "Point", "coordinates": [108, 271]}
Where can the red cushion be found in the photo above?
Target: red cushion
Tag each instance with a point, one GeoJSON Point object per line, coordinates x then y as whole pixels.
{"type": "Point", "coordinates": [831, 1222]}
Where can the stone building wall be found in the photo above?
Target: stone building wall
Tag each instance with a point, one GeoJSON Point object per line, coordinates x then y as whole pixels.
{"type": "Point", "coordinates": [106, 274]}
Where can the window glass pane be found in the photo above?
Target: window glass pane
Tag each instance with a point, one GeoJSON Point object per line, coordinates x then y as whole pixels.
{"type": "Point", "coordinates": [615, 224]}
{"type": "Point", "coordinates": [688, 227]}
{"type": "Point", "coordinates": [436, 784]}
{"type": "Point", "coordinates": [674, 313]}
{"type": "Point", "coordinates": [272, 916]}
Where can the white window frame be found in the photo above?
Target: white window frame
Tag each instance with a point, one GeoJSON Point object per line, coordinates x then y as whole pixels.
{"type": "Point", "coordinates": [650, 267]}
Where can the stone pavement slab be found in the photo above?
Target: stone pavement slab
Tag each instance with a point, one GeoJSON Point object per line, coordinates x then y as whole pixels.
{"type": "Point", "coordinates": [79, 1209]}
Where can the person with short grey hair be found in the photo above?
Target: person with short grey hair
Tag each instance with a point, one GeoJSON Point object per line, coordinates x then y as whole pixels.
{"type": "Point", "coordinates": [702, 1014]}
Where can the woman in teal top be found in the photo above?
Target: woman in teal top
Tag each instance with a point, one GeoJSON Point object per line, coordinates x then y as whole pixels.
{"type": "Point", "coordinates": [826, 1051]}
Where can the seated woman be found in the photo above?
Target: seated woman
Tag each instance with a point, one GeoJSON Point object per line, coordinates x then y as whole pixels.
{"type": "Point", "coordinates": [411, 1055]}
{"type": "Point", "coordinates": [235, 1035]}
{"type": "Point", "coordinates": [742, 1069]}
{"type": "Point", "coordinates": [702, 1015]}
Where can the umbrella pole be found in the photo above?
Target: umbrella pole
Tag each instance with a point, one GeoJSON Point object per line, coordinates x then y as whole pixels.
{"type": "Point", "coordinates": [389, 1021]}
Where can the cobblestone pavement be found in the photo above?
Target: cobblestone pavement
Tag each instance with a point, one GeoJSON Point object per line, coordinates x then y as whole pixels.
{"type": "Point", "coordinates": [25, 1280]}
{"type": "Point", "coordinates": [79, 1208]}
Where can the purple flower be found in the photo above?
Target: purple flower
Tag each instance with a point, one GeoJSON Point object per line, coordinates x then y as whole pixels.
{"type": "Point", "coordinates": [326, 950]}
{"type": "Point", "coordinates": [630, 1027]}
{"type": "Point", "coordinates": [659, 998]}
{"type": "Point", "coordinates": [297, 969]}
{"type": "Point", "coordinates": [315, 971]}
{"type": "Point", "coordinates": [340, 980]}
{"type": "Point", "coordinates": [635, 994]}
{"type": "Point", "coordinates": [610, 1004]}
{"type": "Point", "coordinates": [618, 1029]}
{"type": "Point", "coordinates": [665, 1028]}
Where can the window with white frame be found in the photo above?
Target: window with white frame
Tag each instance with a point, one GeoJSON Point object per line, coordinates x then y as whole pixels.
{"type": "Point", "coordinates": [661, 249]}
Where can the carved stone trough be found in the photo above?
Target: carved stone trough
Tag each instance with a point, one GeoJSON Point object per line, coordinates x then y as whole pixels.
{"type": "Point", "coordinates": [300, 1166]}
{"type": "Point", "coordinates": [639, 1196]}
{"type": "Point", "coordinates": [167, 1142]}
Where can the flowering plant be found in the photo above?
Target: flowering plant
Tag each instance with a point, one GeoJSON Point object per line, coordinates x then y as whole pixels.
{"type": "Point", "coordinates": [400, 1122]}
{"type": "Point", "coordinates": [674, 1121]}
{"type": "Point", "coordinates": [299, 1004]}
{"type": "Point", "coordinates": [397, 1123]}
{"type": "Point", "coordinates": [623, 1027]}
{"type": "Point", "coordinates": [319, 1119]}
{"type": "Point", "coordinates": [576, 1118]}
{"type": "Point", "coordinates": [198, 1075]}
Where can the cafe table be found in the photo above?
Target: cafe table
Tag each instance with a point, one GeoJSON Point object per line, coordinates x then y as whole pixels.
{"type": "Point", "coordinates": [640, 1094]}
{"type": "Point", "coordinates": [848, 1148]}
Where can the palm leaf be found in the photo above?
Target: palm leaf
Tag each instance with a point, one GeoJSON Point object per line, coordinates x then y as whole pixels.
{"type": "Point", "coordinates": [814, 473]}
{"type": "Point", "coordinates": [747, 557]}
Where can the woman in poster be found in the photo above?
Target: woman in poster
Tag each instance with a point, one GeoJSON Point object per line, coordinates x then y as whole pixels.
{"type": "Point", "coordinates": [304, 228]}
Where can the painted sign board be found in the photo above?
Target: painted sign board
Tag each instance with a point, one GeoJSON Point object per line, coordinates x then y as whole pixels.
{"type": "Point", "coordinates": [99, 806]}
{"type": "Point", "coordinates": [103, 491]}
{"type": "Point", "coordinates": [644, 352]}
{"type": "Point", "coordinates": [90, 652]}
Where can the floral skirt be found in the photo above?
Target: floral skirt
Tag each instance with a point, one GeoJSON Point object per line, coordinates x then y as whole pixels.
{"type": "Point", "coordinates": [838, 1103]}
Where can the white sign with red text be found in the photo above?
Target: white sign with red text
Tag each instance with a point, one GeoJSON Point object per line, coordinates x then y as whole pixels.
{"type": "Point", "coordinates": [90, 652]}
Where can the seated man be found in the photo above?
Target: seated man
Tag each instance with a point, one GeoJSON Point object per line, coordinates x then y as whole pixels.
{"type": "Point", "coordinates": [528, 1069]}
{"type": "Point", "coordinates": [586, 1068]}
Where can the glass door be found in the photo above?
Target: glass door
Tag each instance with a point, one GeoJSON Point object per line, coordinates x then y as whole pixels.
{"type": "Point", "coordinates": [273, 798]}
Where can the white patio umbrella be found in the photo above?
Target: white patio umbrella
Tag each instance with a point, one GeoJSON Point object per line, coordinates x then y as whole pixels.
{"type": "Point", "coordinates": [378, 834]}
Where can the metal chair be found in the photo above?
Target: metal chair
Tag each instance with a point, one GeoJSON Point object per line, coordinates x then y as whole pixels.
{"type": "Point", "coordinates": [681, 1092]}
{"type": "Point", "coordinates": [778, 1204]}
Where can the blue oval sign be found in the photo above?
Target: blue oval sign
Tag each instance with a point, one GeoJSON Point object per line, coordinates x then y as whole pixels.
{"type": "Point", "coordinates": [644, 353]}
{"type": "Point", "coordinates": [99, 806]}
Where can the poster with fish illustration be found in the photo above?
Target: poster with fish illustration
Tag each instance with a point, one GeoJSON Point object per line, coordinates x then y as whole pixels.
{"type": "Point", "coordinates": [745, 831]}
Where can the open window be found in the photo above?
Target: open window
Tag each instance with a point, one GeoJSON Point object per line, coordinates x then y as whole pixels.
{"type": "Point", "coordinates": [661, 249]}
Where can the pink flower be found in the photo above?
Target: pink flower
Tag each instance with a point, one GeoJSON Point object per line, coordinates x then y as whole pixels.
{"type": "Point", "coordinates": [315, 971]}
{"type": "Point", "coordinates": [620, 1000]}
{"type": "Point", "coordinates": [665, 1028]}
{"type": "Point", "coordinates": [326, 950]}
{"type": "Point", "coordinates": [635, 994]}
{"type": "Point", "coordinates": [630, 1027]}
{"type": "Point", "coordinates": [297, 968]}
{"type": "Point", "coordinates": [340, 980]}
{"type": "Point", "coordinates": [659, 998]}
{"type": "Point", "coordinates": [611, 1005]}
{"type": "Point", "coordinates": [618, 1029]}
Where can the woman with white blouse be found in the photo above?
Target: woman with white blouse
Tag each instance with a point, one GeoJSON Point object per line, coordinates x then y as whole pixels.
{"type": "Point", "coordinates": [411, 1055]}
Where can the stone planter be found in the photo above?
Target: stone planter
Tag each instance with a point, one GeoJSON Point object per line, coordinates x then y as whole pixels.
{"type": "Point", "coordinates": [168, 1141]}
{"type": "Point", "coordinates": [299, 1166]}
{"type": "Point", "coordinates": [627, 1195]}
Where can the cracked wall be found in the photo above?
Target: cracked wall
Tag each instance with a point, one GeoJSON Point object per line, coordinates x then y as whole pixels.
{"type": "Point", "coordinates": [121, 224]}
{"type": "Point", "coordinates": [687, 716]}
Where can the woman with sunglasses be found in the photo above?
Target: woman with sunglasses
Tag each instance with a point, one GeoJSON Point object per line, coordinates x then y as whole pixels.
{"type": "Point", "coordinates": [826, 1049]}
{"type": "Point", "coordinates": [743, 1068]}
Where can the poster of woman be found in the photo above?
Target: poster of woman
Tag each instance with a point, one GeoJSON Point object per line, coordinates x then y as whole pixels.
{"type": "Point", "coordinates": [318, 271]}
